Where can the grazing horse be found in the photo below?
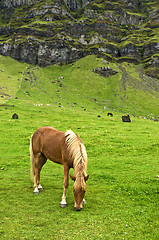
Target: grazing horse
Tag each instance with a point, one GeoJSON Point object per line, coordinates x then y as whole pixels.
{"type": "Point", "coordinates": [65, 148]}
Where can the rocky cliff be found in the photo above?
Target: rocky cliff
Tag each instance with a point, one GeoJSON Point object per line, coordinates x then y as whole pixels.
{"type": "Point", "coordinates": [15, 3]}
{"type": "Point", "coordinates": [62, 31]}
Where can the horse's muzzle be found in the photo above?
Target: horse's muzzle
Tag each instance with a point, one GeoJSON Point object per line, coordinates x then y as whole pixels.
{"type": "Point", "coordinates": [78, 209]}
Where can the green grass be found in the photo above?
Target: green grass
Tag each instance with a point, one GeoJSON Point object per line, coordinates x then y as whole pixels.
{"type": "Point", "coordinates": [122, 191]}
{"type": "Point", "coordinates": [10, 77]}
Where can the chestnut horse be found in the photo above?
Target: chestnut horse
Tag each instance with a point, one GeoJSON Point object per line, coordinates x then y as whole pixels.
{"type": "Point", "coordinates": [65, 148]}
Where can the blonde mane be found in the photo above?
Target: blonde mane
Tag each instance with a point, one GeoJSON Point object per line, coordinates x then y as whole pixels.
{"type": "Point", "coordinates": [77, 152]}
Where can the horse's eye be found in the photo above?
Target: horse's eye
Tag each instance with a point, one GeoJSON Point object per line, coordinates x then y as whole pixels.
{"type": "Point", "coordinates": [73, 190]}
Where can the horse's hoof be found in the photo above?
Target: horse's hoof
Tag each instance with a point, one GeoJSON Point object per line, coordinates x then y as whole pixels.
{"type": "Point", "coordinates": [78, 209]}
{"type": "Point", "coordinates": [36, 193]}
{"type": "Point", "coordinates": [40, 187]}
{"type": "Point", "coordinates": [84, 201]}
{"type": "Point", "coordinates": [63, 205]}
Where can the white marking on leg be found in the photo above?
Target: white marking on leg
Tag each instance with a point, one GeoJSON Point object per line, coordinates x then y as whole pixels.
{"type": "Point", "coordinates": [36, 191]}
{"type": "Point", "coordinates": [63, 203]}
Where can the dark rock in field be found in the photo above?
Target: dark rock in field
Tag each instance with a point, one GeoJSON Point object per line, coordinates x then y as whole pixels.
{"type": "Point", "coordinates": [15, 116]}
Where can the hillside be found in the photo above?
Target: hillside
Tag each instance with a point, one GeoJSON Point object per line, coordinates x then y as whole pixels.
{"type": "Point", "coordinates": [49, 32]}
{"type": "Point", "coordinates": [82, 86]}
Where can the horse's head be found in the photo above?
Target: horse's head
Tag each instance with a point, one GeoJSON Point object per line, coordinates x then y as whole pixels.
{"type": "Point", "coordinates": [79, 189]}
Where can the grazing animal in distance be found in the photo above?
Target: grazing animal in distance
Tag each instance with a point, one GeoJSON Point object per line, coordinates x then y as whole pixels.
{"type": "Point", "coordinates": [126, 118]}
{"type": "Point", "coordinates": [110, 114]}
{"type": "Point", "coordinates": [65, 148]}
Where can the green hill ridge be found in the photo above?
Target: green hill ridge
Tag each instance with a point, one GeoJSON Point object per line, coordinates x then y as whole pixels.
{"type": "Point", "coordinates": [82, 86]}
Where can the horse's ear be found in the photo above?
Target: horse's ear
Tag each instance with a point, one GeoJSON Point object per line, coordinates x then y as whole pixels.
{"type": "Point", "coordinates": [73, 178]}
{"type": "Point", "coordinates": [86, 177]}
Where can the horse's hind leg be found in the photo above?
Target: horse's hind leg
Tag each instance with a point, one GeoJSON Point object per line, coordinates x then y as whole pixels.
{"type": "Point", "coordinates": [39, 161]}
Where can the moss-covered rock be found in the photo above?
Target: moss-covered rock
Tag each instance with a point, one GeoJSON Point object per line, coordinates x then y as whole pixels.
{"type": "Point", "coordinates": [53, 31]}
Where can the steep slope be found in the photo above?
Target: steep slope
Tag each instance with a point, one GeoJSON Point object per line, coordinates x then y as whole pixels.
{"type": "Point", "coordinates": [48, 32]}
{"type": "Point", "coordinates": [90, 84]}
{"type": "Point", "coordinates": [10, 77]}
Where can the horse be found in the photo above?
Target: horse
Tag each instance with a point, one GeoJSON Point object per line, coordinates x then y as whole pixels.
{"type": "Point", "coordinates": [64, 148]}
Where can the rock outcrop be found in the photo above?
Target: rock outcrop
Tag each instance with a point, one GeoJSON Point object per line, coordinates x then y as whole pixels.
{"type": "Point", "coordinates": [62, 31]}
{"type": "Point", "coordinates": [76, 4]}
{"type": "Point", "coordinates": [15, 3]}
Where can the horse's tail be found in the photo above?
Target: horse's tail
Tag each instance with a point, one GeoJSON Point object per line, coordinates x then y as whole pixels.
{"type": "Point", "coordinates": [31, 159]}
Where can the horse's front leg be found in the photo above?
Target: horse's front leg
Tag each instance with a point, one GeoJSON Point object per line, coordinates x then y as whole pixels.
{"type": "Point", "coordinates": [65, 186]}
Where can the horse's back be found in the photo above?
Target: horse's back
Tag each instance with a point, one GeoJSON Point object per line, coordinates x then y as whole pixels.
{"type": "Point", "coordinates": [47, 132]}
{"type": "Point", "coordinates": [50, 142]}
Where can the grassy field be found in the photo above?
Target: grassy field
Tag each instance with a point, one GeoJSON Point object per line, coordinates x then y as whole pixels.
{"type": "Point", "coordinates": [122, 191]}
